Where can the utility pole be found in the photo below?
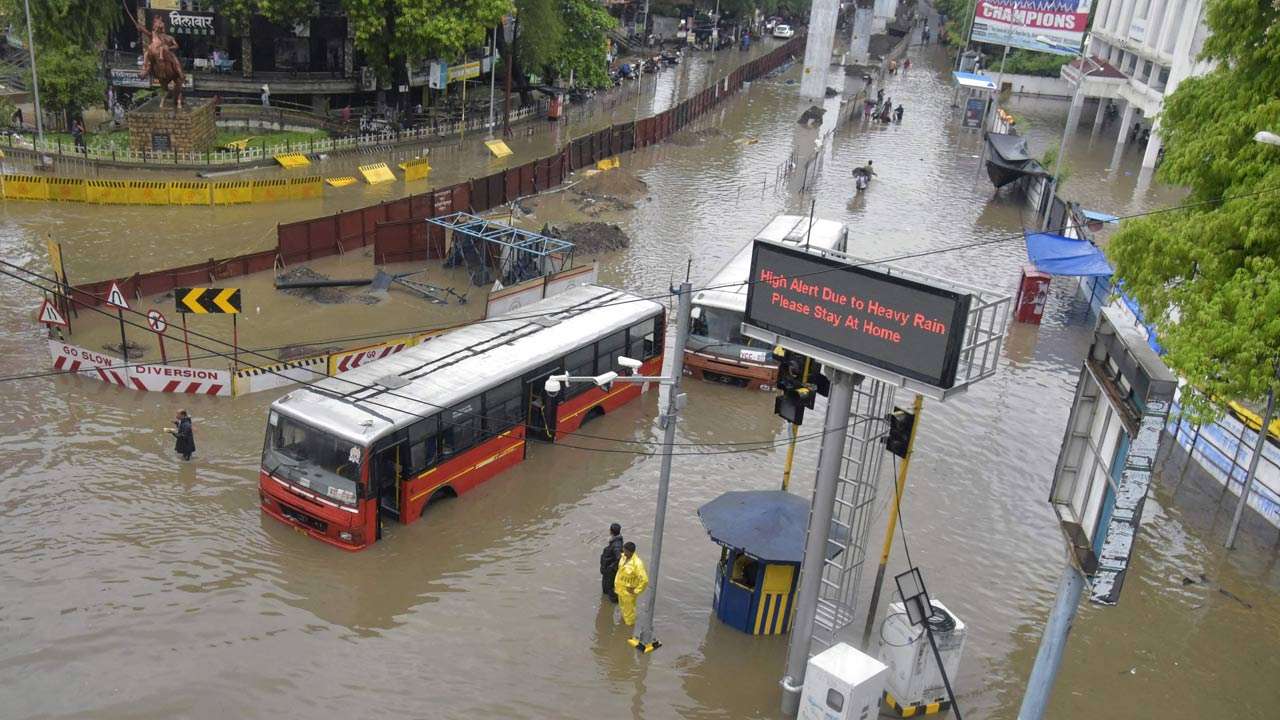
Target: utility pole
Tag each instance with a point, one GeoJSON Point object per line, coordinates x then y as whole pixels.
{"type": "Point", "coordinates": [839, 405]}
{"type": "Point", "coordinates": [509, 61]}
{"type": "Point", "coordinates": [35, 79]}
{"type": "Point", "coordinates": [1258, 446]}
{"type": "Point", "coordinates": [644, 639]}
{"type": "Point", "coordinates": [493, 73]}
{"type": "Point", "coordinates": [1052, 644]}
{"type": "Point", "coordinates": [892, 525]}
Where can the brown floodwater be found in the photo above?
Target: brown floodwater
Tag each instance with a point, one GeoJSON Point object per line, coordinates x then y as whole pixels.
{"type": "Point", "coordinates": [134, 585]}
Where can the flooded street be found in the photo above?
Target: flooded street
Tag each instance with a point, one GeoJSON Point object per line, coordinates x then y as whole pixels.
{"type": "Point", "coordinates": [134, 585]}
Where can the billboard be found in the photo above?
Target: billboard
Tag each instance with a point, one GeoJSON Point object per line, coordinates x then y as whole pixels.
{"type": "Point", "coordinates": [1016, 23]}
{"type": "Point", "coordinates": [888, 322]}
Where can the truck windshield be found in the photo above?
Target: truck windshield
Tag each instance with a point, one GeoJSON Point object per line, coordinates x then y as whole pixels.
{"type": "Point", "coordinates": [324, 464]}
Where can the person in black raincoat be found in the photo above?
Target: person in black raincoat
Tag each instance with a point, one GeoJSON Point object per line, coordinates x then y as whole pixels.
{"type": "Point", "coordinates": [609, 559]}
{"type": "Point", "coordinates": [184, 438]}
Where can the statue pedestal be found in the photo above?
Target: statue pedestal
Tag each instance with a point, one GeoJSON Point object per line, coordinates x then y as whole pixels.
{"type": "Point", "coordinates": [188, 130]}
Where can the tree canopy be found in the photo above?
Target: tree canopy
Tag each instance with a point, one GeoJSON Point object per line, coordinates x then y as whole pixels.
{"type": "Point", "coordinates": [67, 82]}
{"type": "Point", "coordinates": [65, 23]}
{"type": "Point", "coordinates": [1208, 275]}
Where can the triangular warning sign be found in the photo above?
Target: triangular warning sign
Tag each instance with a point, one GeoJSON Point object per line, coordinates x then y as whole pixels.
{"type": "Point", "coordinates": [115, 298]}
{"type": "Point", "coordinates": [50, 315]}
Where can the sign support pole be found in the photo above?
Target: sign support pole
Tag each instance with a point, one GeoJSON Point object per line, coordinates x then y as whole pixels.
{"type": "Point", "coordinates": [1052, 644]}
{"type": "Point", "coordinates": [164, 358]}
{"type": "Point", "coordinates": [124, 344]}
{"type": "Point", "coordinates": [185, 341]}
{"type": "Point", "coordinates": [1258, 447]}
{"type": "Point", "coordinates": [892, 525]}
{"type": "Point", "coordinates": [839, 405]}
{"type": "Point", "coordinates": [235, 343]}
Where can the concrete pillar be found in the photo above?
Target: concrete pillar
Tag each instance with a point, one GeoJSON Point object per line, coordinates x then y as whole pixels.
{"type": "Point", "coordinates": [1126, 121]}
{"type": "Point", "coordinates": [1153, 145]}
{"type": "Point", "coordinates": [246, 51]}
{"type": "Point", "coordinates": [860, 38]}
{"type": "Point", "coordinates": [1099, 117]}
{"type": "Point", "coordinates": [817, 48]}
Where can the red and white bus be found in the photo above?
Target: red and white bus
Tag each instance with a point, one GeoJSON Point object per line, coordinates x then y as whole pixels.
{"type": "Point", "coordinates": [382, 440]}
{"type": "Point", "coordinates": [716, 349]}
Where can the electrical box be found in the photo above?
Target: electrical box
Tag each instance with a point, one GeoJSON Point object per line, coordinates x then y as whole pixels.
{"type": "Point", "coordinates": [913, 677]}
{"type": "Point", "coordinates": [842, 683]}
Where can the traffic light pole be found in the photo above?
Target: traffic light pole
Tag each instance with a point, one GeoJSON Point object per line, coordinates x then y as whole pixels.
{"type": "Point", "coordinates": [825, 485]}
{"type": "Point", "coordinates": [892, 524]}
{"type": "Point", "coordinates": [791, 446]}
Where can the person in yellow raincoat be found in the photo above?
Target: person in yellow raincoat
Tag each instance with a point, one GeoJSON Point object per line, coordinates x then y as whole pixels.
{"type": "Point", "coordinates": [630, 581]}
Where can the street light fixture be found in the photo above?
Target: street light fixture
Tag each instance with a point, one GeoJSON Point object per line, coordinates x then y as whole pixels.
{"type": "Point", "coordinates": [1062, 146]}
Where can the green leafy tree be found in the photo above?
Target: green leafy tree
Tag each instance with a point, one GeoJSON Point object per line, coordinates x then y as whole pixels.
{"type": "Point", "coordinates": [79, 23]}
{"type": "Point", "coordinates": [68, 83]}
{"type": "Point", "coordinates": [1209, 275]}
{"type": "Point", "coordinates": [542, 33]}
{"type": "Point", "coordinates": [582, 52]}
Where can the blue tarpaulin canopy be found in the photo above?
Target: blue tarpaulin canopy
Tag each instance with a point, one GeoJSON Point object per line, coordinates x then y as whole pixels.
{"type": "Point", "coordinates": [1058, 255]}
{"type": "Point", "coordinates": [1095, 216]}
{"type": "Point", "coordinates": [972, 80]}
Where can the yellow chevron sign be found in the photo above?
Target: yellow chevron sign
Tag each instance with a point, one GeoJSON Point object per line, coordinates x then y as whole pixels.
{"type": "Point", "coordinates": [207, 300]}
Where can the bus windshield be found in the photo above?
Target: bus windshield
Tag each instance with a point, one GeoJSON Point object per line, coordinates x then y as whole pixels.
{"type": "Point", "coordinates": [719, 327]}
{"type": "Point", "coordinates": [313, 459]}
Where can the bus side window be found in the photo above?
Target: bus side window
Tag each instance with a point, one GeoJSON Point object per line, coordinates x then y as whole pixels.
{"type": "Point", "coordinates": [580, 362]}
{"type": "Point", "coordinates": [608, 350]}
{"type": "Point", "coordinates": [423, 451]}
{"type": "Point", "coordinates": [460, 425]}
{"type": "Point", "coordinates": [503, 407]}
{"type": "Point", "coordinates": [641, 340]}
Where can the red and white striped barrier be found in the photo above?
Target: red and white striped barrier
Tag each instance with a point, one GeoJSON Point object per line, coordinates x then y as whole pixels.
{"type": "Point", "coordinates": [343, 361]}
{"type": "Point", "coordinates": [148, 378]}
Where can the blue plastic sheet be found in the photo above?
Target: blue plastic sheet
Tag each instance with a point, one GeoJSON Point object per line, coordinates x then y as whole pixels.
{"type": "Point", "coordinates": [1058, 255]}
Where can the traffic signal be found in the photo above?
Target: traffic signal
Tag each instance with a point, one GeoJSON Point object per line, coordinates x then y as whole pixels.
{"type": "Point", "coordinates": [899, 438]}
{"type": "Point", "coordinates": [799, 392]}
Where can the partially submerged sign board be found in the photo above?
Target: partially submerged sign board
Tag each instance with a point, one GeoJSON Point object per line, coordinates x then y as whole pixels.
{"type": "Point", "coordinates": [869, 316]}
{"type": "Point", "coordinates": [1104, 468]}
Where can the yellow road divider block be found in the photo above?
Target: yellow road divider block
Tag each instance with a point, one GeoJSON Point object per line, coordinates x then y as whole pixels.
{"type": "Point", "coordinates": [340, 181]}
{"type": "Point", "coordinates": [106, 192]}
{"type": "Point", "coordinates": [498, 148]}
{"type": "Point", "coordinates": [376, 173]}
{"type": "Point", "coordinates": [66, 189]}
{"type": "Point", "coordinates": [609, 163]}
{"type": "Point", "coordinates": [232, 192]}
{"type": "Point", "coordinates": [147, 192]}
{"type": "Point", "coordinates": [26, 187]}
{"type": "Point", "coordinates": [305, 187]}
{"type": "Point", "coordinates": [265, 191]}
{"type": "Point", "coordinates": [292, 160]}
{"type": "Point", "coordinates": [416, 169]}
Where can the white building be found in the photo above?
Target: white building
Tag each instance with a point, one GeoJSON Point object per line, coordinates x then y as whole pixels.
{"type": "Point", "coordinates": [1145, 48]}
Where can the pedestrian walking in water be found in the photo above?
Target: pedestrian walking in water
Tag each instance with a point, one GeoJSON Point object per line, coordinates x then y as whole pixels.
{"type": "Point", "coordinates": [609, 559]}
{"type": "Point", "coordinates": [632, 579]}
{"type": "Point", "coordinates": [897, 114]}
{"type": "Point", "coordinates": [879, 96]}
{"type": "Point", "coordinates": [184, 438]}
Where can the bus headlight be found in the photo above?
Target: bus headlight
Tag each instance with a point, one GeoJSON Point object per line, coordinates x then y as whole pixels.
{"type": "Point", "coordinates": [344, 536]}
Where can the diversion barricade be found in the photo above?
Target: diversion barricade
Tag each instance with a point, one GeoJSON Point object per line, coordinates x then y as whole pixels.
{"type": "Point", "coordinates": [106, 192]}
{"type": "Point", "coordinates": [147, 192]}
{"type": "Point", "coordinates": [305, 188]}
{"type": "Point", "coordinates": [302, 370]}
{"type": "Point", "coordinates": [66, 189]}
{"type": "Point", "coordinates": [25, 187]}
{"type": "Point", "coordinates": [265, 191]}
{"type": "Point", "coordinates": [188, 193]}
{"type": "Point", "coordinates": [232, 192]}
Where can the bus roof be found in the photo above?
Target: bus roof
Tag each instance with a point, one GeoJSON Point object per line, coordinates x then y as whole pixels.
{"type": "Point", "coordinates": [456, 365]}
{"type": "Point", "coordinates": [785, 229]}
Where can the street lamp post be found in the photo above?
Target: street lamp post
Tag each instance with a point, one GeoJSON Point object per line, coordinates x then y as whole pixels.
{"type": "Point", "coordinates": [35, 79]}
{"type": "Point", "coordinates": [1062, 146]}
{"type": "Point", "coordinates": [644, 639]}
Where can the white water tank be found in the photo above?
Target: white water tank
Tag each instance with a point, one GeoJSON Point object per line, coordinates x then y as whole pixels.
{"type": "Point", "coordinates": [842, 683]}
{"type": "Point", "coordinates": [913, 677]}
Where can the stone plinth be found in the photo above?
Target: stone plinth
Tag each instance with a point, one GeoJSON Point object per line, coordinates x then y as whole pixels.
{"type": "Point", "coordinates": [188, 130]}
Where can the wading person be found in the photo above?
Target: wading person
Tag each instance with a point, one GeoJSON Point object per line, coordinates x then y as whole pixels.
{"type": "Point", "coordinates": [609, 559]}
{"type": "Point", "coordinates": [632, 579]}
{"type": "Point", "coordinates": [184, 438]}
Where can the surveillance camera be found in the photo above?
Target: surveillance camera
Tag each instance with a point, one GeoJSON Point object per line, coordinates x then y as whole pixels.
{"type": "Point", "coordinates": [629, 363]}
{"type": "Point", "coordinates": [605, 379]}
{"type": "Point", "coordinates": [552, 386]}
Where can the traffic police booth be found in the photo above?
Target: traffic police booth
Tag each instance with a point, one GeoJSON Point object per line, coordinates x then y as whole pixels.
{"type": "Point", "coordinates": [761, 534]}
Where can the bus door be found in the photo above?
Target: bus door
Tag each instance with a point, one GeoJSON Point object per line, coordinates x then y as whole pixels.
{"type": "Point", "coordinates": [540, 408]}
{"type": "Point", "coordinates": [387, 477]}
